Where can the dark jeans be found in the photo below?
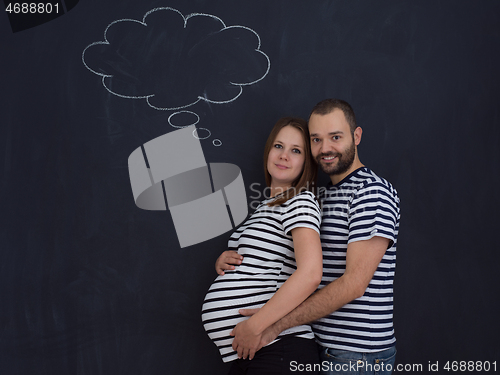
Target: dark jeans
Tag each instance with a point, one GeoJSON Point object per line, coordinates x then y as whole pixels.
{"type": "Point", "coordinates": [341, 362]}
{"type": "Point", "coordinates": [280, 358]}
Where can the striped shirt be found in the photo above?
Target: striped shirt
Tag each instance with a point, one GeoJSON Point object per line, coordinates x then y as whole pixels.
{"type": "Point", "coordinates": [266, 244]}
{"type": "Point", "coordinates": [360, 207]}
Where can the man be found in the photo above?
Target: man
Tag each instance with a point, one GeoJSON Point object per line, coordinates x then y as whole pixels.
{"type": "Point", "coordinates": [351, 313]}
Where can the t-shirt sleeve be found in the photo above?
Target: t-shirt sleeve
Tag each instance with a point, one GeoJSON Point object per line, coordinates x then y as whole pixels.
{"type": "Point", "coordinates": [301, 211]}
{"type": "Point", "coordinates": [374, 212]}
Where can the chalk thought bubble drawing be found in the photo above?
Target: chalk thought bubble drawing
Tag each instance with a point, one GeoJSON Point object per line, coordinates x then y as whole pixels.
{"type": "Point", "coordinates": [174, 61]}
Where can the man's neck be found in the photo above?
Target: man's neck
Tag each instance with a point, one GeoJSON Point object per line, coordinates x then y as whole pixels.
{"type": "Point", "coordinates": [336, 178]}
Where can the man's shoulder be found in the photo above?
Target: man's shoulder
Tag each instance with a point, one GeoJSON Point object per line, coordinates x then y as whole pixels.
{"type": "Point", "coordinates": [362, 183]}
{"type": "Point", "coordinates": [370, 181]}
{"type": "Point", "coordinates": [358, 179]}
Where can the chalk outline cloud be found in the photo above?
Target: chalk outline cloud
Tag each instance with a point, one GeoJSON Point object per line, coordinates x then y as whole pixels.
{"type": "Point", "coordinates": [186, 19]}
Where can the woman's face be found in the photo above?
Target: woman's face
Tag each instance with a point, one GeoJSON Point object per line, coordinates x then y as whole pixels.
{"type": "Point", "coordinates": [286, 158]}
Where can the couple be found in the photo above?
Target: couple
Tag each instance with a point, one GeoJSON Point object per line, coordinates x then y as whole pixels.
{"type": "Point", "coordinates": [259, 308]}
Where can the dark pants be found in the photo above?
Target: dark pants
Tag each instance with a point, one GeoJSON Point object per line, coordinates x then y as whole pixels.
{"type": "Point", "coordinates": [285, 356]}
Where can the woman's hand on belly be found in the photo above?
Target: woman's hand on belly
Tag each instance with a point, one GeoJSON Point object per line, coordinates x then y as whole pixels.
{"type": "Point", "coordinates": [227, 261]}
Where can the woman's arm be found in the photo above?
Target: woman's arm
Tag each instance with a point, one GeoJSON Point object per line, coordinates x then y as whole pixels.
{"type": "Point", "coordinates": [296, 289]}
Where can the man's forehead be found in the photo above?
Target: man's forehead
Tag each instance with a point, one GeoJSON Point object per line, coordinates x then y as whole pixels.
{"type": "Point", "coordinates": [333, 122]}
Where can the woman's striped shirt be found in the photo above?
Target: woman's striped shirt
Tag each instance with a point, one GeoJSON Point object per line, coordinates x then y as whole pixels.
{"type": "Point", "coordinates": [360, 207]}
{"type": "Point", "coordinates": [266, 244]}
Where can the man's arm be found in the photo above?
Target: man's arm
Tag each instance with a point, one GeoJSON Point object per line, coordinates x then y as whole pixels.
{"type": "Point", "coordinates": [362, 260]}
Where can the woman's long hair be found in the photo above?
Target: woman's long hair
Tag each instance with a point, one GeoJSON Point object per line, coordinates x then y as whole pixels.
{"type": "Point", "coordinates": [307, 179]}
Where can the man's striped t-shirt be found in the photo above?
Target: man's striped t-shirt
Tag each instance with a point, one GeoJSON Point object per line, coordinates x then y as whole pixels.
{"type": "Point", "coordinates": [266, 244]}
{"type": "Point", "coordinates": [360, 207]}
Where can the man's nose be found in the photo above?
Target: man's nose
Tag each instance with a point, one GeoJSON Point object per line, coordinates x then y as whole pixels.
{"type": "Point", "coordinates": [325, 148]}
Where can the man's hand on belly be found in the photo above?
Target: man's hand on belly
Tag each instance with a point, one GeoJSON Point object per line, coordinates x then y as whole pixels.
{"type": "Point", "coordinates": [246, 341]}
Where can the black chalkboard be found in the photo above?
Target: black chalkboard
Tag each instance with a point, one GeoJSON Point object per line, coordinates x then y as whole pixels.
{"type": "Point", "coordinates": [92, 284]}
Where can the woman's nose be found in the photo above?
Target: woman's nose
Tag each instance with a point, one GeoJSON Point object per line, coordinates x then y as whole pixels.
{"type": "Point", "coordinates": [284, 155]}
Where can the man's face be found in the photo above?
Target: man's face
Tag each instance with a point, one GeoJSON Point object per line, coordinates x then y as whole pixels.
{"type": "Point", "coordinates": [332, 144]}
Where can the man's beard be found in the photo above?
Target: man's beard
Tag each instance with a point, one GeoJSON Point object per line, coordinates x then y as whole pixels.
{"type": "Point", "coordinates": [344, 161]}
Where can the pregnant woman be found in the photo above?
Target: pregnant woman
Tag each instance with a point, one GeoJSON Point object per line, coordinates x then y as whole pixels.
{"type": "Point", "coordinates": [281, 260]}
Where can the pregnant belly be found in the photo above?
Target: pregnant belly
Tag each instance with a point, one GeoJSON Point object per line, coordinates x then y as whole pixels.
{"type": "Point", "coordinates": [223, 300]}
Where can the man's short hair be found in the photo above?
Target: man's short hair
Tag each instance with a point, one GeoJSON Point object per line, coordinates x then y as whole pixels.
{"type": "Point", "coordinates": [327, 106]}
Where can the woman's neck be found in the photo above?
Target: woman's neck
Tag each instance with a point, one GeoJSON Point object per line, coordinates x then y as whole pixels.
{"type": "Point", "coordinates": [278, 189]}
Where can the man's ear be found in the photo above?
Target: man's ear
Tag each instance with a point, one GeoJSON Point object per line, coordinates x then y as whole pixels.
{"type": "Point", "coordinates": [357, 135]}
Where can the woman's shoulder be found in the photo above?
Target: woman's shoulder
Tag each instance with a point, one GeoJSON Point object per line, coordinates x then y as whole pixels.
{"type": "Point", "coordinates": [305, 197]}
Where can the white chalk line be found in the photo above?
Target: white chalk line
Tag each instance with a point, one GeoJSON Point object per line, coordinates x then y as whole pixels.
{"type": "Point", "coordinates": [170, 109]}
{"type": "Point", "coordinates": [183, 126]}
{"type": "Point", "coordinates": [147, 97]}
{"type": "Point", "coordinates": [195, 133]}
